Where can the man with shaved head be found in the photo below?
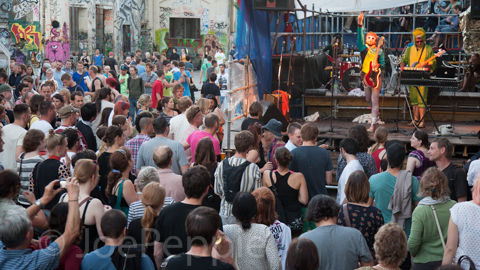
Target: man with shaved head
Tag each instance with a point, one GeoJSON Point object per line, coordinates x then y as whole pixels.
{"type": "Point", "coordinates": [162, 156]}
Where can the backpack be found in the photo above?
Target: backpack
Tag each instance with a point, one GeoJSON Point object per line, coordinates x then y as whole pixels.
{"type": "Point", "coordinates": [232, 178]}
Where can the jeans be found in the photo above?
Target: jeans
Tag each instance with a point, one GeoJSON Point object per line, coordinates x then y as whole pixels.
{"type": "Point", "coordinates": [444, 29]}
{"type": "Point", "coordinates": [132, 112]}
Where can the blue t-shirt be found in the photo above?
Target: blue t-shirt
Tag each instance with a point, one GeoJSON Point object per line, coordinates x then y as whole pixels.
{"type": "Point", "coordinates": [141, 69]}
{"type": "Point", "coordinates": [76, 78]}
{"type": "Point", "coordinates": [97, 60]}
{"type": "Point", "coordinates": [313, 162]}
{"type": "Point", "coordinates": [176, 77]}
{"type": "Point", "coordinates": [381, 189]}
{"type": "Point", "coordinates": [100, 259]}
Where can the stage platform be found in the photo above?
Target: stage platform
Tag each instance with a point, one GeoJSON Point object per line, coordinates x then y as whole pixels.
{"type": "Point", "coordinates": [448, 106]}
{"type": "Point", "coordinates": [464, 138]}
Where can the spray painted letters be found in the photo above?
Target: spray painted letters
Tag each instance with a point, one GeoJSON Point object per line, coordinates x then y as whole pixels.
{"type": "Point", "coordinates": [30, 34]}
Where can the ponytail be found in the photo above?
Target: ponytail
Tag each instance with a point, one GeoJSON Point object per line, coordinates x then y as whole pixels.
{"type": "Point", "coordinates": [153, 197]}
{"type": "Point", "coordinates": [381, 136]}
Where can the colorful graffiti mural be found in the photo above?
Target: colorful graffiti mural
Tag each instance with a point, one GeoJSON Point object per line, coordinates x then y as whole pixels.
{"type": "Point", "coordinates": [27, 33]}
{"type": "Point", "coordinates": [58, 46]}
{"type": "Point", "coordinates": [213, 32]}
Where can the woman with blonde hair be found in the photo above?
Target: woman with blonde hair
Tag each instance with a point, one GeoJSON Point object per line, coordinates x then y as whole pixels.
{"type": "Point", "coordinates": [390, 248]}
{"type": "Point", "coordinates": [378, 150]}
{"type": "Point", "coordinates": [91, 209]}
{"type": "Point", "coordinates": [147, 175]}
{"type": "Point", "coordinates": [204, 105]}
{"type": "Point", "coordinates": [267, 216]}
{"type": "Point", "coordinates": [52, 82]}
{"type": "Point", "coordinates": [51, 168]}
{"type": "Point", "coordinates": [153, 197]}
{"type": "Point", "coordinates": [464, 230]}
{"type": "Point", "coordinates": [429, 220]}
{"type": "Point", "coordinates": [66, 96]}
{"type": "Point", "coordinates": [144, 102]}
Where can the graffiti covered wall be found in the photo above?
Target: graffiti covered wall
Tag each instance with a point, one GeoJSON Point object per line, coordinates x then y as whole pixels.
{"type": "Point", "coordinates": [58, 45]}
{"type": "Point", "coordinates": [212, 20]}
{"type": "Point", "coordinates": [131, 13]}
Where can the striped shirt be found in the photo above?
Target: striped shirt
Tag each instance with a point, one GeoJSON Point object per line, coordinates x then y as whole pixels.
{"type": "Point", "coordinates": [27, 165]}
{"type": "Point", "coordinates": [250, 181]}
{"type": "Point", "coordinates": [26, 259]}
{"type": "Point", "coordinates": [136, 209]}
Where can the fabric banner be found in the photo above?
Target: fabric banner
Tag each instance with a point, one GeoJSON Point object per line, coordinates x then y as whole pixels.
{"type": "Point", "coordinates": [253, 39]}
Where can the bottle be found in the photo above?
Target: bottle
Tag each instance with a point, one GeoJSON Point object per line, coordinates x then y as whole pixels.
{"type": "Point", "coordinates": [454, 58]}
{"type": "Point", "coordinates": [335, 88]}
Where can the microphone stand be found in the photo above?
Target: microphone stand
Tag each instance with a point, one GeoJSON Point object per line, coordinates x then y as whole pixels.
{"type": "Point", "coordinates": [334, 74]}
{"type": "Point", "coordinates": [395, 128]}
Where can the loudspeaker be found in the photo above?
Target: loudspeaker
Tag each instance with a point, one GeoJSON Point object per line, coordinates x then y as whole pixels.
{"type": "Point", "coordinates": [475, 9]}
{"type": "Point", "coordinates": [274, 5]}
{"type": "Point", "coordinates": [271, 111]}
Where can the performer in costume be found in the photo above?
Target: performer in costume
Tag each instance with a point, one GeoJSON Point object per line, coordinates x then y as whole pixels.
{"type": "Point", "coordinates": [419, 53]}
{"type": "Point", "coordinates": [367, 51]}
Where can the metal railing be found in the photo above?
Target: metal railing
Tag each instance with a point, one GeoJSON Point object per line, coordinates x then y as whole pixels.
{"type": "Point", "coordinates": [321, 27]}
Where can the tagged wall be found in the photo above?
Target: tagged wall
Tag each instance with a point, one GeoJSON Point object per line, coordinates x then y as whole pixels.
{"type": "Point", "coordinates": [58, 45]}
{"type": "Point", "coordinates": [213, 24]}
{"type": "Point", "coordinates": [128, 13]}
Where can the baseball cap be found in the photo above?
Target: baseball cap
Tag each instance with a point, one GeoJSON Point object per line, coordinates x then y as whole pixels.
{"type": "Point", "coordinates": [124, 67]}
{"type": "Point", "coordinates": [47, 65]}
{"type": "Point", "coordinates": [5, 88]}
{"type": "Point", "coordinates": [66, 111]}
{"type": "Point", "coordinates": [110, 53]}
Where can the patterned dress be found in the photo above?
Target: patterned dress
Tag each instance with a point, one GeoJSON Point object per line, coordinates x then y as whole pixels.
{"type": "Point", "coordinates": [367, 220]}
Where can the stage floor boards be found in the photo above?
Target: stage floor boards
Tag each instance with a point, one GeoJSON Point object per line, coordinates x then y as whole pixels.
{"type": "Point", "coordinates": [464, 133]}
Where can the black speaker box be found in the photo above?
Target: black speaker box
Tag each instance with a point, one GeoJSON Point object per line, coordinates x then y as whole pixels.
{"type": "Point", "coordinates": [274, 5]}
{"type": "Point", "coordinates": [475, 9]}
{"type": "Point", "coordinates": [271, 111]}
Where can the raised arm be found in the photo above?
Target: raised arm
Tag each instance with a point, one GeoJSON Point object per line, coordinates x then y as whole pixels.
{"type": "Point", "coordinates": [360, 37]}
{"type": "Point", "coordinates": [72, 228]}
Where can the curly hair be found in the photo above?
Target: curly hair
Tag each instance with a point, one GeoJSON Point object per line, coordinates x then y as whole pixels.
{"type": "Point", "coordinates": [434, 183]}
{"type": "Point", "coordinates": [322, 207]}
{"type": "Point", "coordinates": [360, 134]}
{"type": "Point", "coordinates": [390, 244]}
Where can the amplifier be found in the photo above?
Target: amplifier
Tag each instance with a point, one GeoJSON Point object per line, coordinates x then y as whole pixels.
{"type": "Point", "coordinates": [316, 92]}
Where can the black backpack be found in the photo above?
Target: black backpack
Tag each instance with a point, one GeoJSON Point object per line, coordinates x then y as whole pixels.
{"type": "Point", "coordinates": [232, 178]}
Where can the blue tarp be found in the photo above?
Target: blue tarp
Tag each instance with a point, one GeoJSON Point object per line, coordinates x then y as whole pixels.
{"type": "Point", "coordinates": [253, 39]}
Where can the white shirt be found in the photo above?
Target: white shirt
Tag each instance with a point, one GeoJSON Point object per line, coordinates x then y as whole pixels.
{"type": "Point", "coordinates": [223, 80]}
{"type": "Point", "coordinates": [178, 125]}
{"type": "Point", "coordinates": [465, 216]}
{"type": "Point", "coordinates": [220, 57]}
{"type": "Point", "coordinates": [42, 125]}
{"type": "Point", "coordinates": [473, 172]}
{"type": "Point", "coordinates": [64, 160]}
{"type": "Point", "coordinates": [283, 237]}
{"type": "Point", "coordinates": [12, 136]}
{"type": "Point", "coordinates": [290, 146]}
{"type": "Point", "coordinates": [352, 166]}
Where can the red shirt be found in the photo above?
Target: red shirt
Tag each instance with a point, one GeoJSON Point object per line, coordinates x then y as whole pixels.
{"type": "Point", "coordinates": [72, 259]}
{"type": "Point", "coordinates": [157, 87]}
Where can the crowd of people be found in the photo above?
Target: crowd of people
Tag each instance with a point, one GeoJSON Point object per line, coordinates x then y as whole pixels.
{"type": "Point", "coordinates": [111, 172]}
